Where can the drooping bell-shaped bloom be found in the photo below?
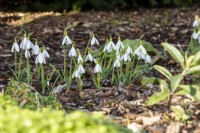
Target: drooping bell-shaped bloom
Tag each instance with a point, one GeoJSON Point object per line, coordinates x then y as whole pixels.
{"type": "Point", "coordinates": [36, 50]}
{"type": "Point", "coordinates": [119, 45]}
{"type": "Point", "coordinates": [15, 47]}
{"type": "Point", "coordinates": [27, 53]}
{"type": "Point", "coordinates": [109, 47]}
{"type": "Point", "coordinates": [80, 59]}
{"type": "Point", "coordinates": [129, 50]}
{"type": "Point", "coordinates": [140, 52]}
{"type": "Point", "coordinates": [117, 63]}
{"type": "Point", "coordinates": [147, 58]}
{"type": "Point", "coordinates": [97, 68]}
{"type": "Point", "coordinates": [28, 45]}
{"type": "Point", "coordinates": [125, 57]}
{"type": "Point", "coordinates": [23, 43]}
{"type": "Point", "coordinates": [89, 57]}
{"type": "Point", "coordinates": [81, 70]}
{"type": "Point", "coordinates": [72, 52]}
{"type": "Point", "coordinates": [40, 59]}
{"type": "Point", "coordinates": [66, 40]}
{"type": "Point", "coordinates": [45, 53]}
{"type": "Point", "coordinates": [94, 41]}
{"type": "Point", "coordinates": [195, 35]}
{"type": "Point", "coordinates": [76, 74]}
{"type": "Point", "coordinates": [195, 23]}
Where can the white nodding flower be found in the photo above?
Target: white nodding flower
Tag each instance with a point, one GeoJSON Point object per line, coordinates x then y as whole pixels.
{"type": "Point", "coordinates": [66, 40]}
{"type": "Point", "coordinates": [23, 43]}
{"type": "Point", "coordinates": [117, 63]}
{"type": "Point", "coordinates": [81, 70]}
{"type": "Point", "coordinates": [140, 52]}
{"type": "Point", "coordinates": [28, 45]}
{"type": "Point", "coordinates": [72, 52]}
{"type": "Point", "coordinates": [195, 35]}
{"type": "Point", "coordinates": [45, 54]}
{"type": "Point", "coordinates": [76, 74]}
{"type": "Point", "coordinates": [27, 53]}
{"type": "Point", "coordinates": [109, 47]}
{"type": "Point", "coordinates": [195, 23]}
{"type": "Point", "coordinates": [125, 57]}
{"type": "Point", "coordinates": [40, 59]}
{"type": "Point", "coordinates": [94, 41]}
{"type": "Point", "coordinates": [97, 69]}
{"type": "Point", "coordinates": [147, 58]}
{"type": "Point", "coordinates": [80, 59]}
{"type": "Point", "coordinates": [119, 45]}
{"type": "Point", "coordinates": [129, 50]}
{"type": "Point", "coordinates": [15, 47]}
{"type": "Point", "coordinates": [89, 57]}
{"type": "Point", "coordinates": [36, 49]}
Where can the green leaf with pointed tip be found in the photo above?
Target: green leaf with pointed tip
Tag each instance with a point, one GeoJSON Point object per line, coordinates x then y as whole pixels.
{"type": "Point", "coordinates": [175, 81]}
{"type": "Point", "coordinates": [180, 112]}
{"type": "Point", "coordinates": [193, 69]}
{"type": "Point", "coordinates": [148, 80]}
{"type": "Point", "coordinates": [163, 71]}
{"type": "Point", "coordinates": [158, 97]}
{"type": "Point", "coordinates": [175, 53]}
{"type": "Point", "coordinates": [193, 90]}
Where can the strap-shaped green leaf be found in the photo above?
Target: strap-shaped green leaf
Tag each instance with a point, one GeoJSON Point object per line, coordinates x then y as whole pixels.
{"type": "Point", "coordinates": [193, 69]}
{"type": "Point", "coordinates": [163, 71]}
{"type": "Point", "coordinates": [175, 53]}
{"type": "Point", "coordinates": [175, 81]}
{"type": "Point", "coordinates": [193, 90]}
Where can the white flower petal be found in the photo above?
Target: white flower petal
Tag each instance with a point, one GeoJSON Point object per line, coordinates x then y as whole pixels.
{"type": "Point", "coordinates": [97, 69]}
{"type": "Point", "coordinates": [27, 53]}
{"type": "Point", "coordinates": [72, 52]}
{"type": "Point", "coordinates": [195, 23]}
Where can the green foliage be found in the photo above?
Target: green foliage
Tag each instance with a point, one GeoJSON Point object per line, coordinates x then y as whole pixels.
{"type": "Point", "coordinates": [14, 120]}
{"type": "Point", "coordinates": [181, 113]}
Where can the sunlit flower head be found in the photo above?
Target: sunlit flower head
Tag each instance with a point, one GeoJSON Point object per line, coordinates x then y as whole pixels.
{"type": "Point", "coordinates": [72, 52]}
{"type": "Point", "coordinates": [23, 43]}
{"type": "Point", "coordinates": [15, 47]}
{"type": "Point", "coordinates": [36, 50]}
{"type": "Point", "coordinates": [80, 59]}
{"type": "Point", "coordinates": [147, 59]}
{"type": "Point", "coordinates": [129, 50]}
{"type": "Point", "coordinates": [76, 74]}
{"type": "Point", "coordinates": [45, 54]}
{"type": "Point", "coordinates": [195, 35]}
{"type": "Point", "coordinates": [94, 41]}
{"type": "Point", "coordinates": [66, 40]}
{"type": "Point", "coordinates": [97, 68]}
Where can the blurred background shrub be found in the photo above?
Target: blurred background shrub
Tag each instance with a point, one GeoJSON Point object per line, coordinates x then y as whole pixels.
{"type": "Point", "coordinates": [82, 5]}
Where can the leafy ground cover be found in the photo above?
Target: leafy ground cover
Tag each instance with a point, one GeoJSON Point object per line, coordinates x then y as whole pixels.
{"type": "Point", "coordinates": [127, 105]}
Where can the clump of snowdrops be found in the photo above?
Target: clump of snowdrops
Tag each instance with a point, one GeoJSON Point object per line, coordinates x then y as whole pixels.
{"type": "Point", "coordinates": [118, 63]}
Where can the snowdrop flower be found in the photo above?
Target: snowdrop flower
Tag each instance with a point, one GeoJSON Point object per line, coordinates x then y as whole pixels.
{"type": "Point", "coordinates": [89, 57]}
{"type": "Point", "coordinates": [195, 35]}
{"type": "Point", "coordinates": [28, 45]}
{"type": "Point", "coordinates": [36, 50]}
{"type": "Point", "coordinates": [80, 59]}
{"type": "Point", "coordinates": [27, 53]}
{"type": "Point", "coordinates": [15, 47]}
{"type": "Point", "coordinates": [45, 54]}
{"type": "Point", "coordinates": [109, 47]}
{"type": "Point", "coordinates": [72, 52]}
{"type": "Point", "coordinates": [126, 57]}
{"type": "Point", "coordinates": [140, 52]}
{"type": "Point", "coordinates": [117, 63]}
{"type": "Point", "coordinates": [147, 58]}
{"type": "Point", "coordinates": [119, 45]}
{"type": "Point", "coordinates": [40, 59]}
{"type": "Point", "coordinates": [76, 74]}
{"type": "Point", "coordinates": [94, 41]}
{"type": "Point", "coordinates": [97, 68]}
{"type": "Point", "coordinates": [129, 50]}
{"type": "Point", "coordinates": [195, 23]}
{"type": "Point", "coordinates": [23, 43]}
{"type": "Point", "coordinates": [81, 70]}
{"type": "Point", "coordinates": [66, 40]}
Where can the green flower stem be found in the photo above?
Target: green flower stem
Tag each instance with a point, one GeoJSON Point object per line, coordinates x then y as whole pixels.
{"type": "Point", "coordinates": [42, 78]}
{"type": "Point", "coordinates": [19, 67]}
{"type": "Point", "coordinates": [64, 67]}
{"type": "Point", "coordinates": [16, 64]}
{"type": "Point", "coordinates": [87, 47]}
{"type": "Point", "coordinates": [28, 71]}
